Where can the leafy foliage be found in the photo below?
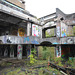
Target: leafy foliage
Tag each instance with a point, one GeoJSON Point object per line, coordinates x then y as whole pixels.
{"type": "Point", "coordinates": [46, 53]}
{"type": "Point", "coordinates": [74, 30]}
{"type": "Point", "coordinates": [32, 56]}
{"type": "Point", "coordinates": [50, 33]}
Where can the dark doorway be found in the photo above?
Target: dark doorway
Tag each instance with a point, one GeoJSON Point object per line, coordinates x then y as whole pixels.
{"type": "Point", "coordinates": [24, 53]}
{"type": "Point", "coordinates": [4, 50]}
{"type": "Point", "coordinates": [15, 50]}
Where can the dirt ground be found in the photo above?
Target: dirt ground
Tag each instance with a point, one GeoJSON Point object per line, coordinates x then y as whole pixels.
{"type": "Point", "coordinates": [22, 67]}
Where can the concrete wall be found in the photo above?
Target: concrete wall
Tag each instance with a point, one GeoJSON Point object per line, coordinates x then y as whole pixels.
{"type": "Point", "coordinates": [70, 30]}
{"type": "Point", "coordinates": [17, 2]}
{"type": "Point", "coordinates": [18, 13]}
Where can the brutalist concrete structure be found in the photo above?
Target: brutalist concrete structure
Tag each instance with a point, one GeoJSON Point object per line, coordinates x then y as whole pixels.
{"type": "Point", "coordinates": [18, 29]}
{"type": "Point", "coordinates": [21, 31]}
{"type": "Point", "coordinates": [64, 35]}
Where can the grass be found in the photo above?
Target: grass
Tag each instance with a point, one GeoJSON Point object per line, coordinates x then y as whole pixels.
{"type": "Point", "coordinates": [51, 57]}
{"type": "Point", "coordinates": [29, 71]}
{"type": "Point", "coordinates": [40, 71]}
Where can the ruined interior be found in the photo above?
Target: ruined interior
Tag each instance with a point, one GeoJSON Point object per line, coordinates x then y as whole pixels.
{"type": "Point", "coordinates": [67, 51]}
{"type": "Point", "coordinates": [20, 30]}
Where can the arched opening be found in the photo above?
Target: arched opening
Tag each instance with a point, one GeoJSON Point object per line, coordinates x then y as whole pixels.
{"type": "Point", "coordinates": [45, 43]}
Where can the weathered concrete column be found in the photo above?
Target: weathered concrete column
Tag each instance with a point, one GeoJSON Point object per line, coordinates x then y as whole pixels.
{"type": "Point", "coordinates": [36, 48]}
{"type": "Point", "coordinates": [11, 51]}
{"type": "Point", "coordinates": [5, 51]}
{"type": "Point", "coordinates": [58, 29]}
{"type": "Point", "coordinates": [43, 33]}
{"type": "Point", "coordinates": [28, 48]}
{"type": "Point", "coordinates": [58, 51]}
{"type": "Point", "coordinates": [58, 35]}
{"type": "Point", "coordinates": [28, 29]}
{"type": "Point", "coordinates": [19, 51]}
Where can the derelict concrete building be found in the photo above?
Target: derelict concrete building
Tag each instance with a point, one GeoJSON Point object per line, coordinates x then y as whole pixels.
{"type": "Point", "coordinates": [63, 26]}
{"type": "Point", "coordinates": [21, 31]}
{"type": "Point", "coordinates": [18, 29]}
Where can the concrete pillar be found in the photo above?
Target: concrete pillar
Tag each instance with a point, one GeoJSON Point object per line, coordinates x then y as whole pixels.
{"type": "Point", "coordinates": [36, 48]}
{"type": "Point", "coordinates": [5, 52]}
{"type": "Point", "coordinates": [19, 51]}
{"type": "Point", "coordinates": [28, 48]}
{"type": "Point", "coordinates": [58, 29]}
{"type": "Point", "coordinates": [54, 31]}
{"type": "Point", "coordinates": [58, 51]}
{"type": "Point", "coordinates": [28, 29]}
{"type": "Point", "coordinates": [11, 51]}
{"type": "Point", "coordinates": [43, 33]}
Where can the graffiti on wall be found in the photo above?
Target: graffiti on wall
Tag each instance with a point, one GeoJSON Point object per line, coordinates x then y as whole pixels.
{"type": "Point", "coordinates": [34, 42]}
{"type": "Point", "coordinates": [5, 39]}
{"type": "Point", "coordinates": [55, 43]}
{"type": "Point", "coordinates": [21, 32]}
{"type": "Point", "coordinates": [26, 39]}
{"type": "Point", "coordinates": [63, 30]}
{"type": "Point", "coordinates": [36, 30]}
{"type": "Point", "coordinates": [13, 39]}
{"type": "Point", "coordinates": [58, 51]}
{"type": "Point", "coordinates": [67, 40]}
{"type": "Point", "coordinates": [58, 31]}
{"type": "Point", "coordinates": [19, 51]}
{"type": "Point", "coordinates": [70, 41]}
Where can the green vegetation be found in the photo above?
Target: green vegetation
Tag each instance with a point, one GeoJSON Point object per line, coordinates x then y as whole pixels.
{"type": "Point", "coordinates": [45, 54]}
{"type": "Point", "coordinates": [70, 63]}
{"type": "Point", "coordinates": [32, 56]}
{"type": "Point", "coordinates": [74, 30]}
{"type": "Point", "coordinates": [30, 71]}
{"type": "Point", "coordinates": [5, 64]}
{"type": "Point", "coordinates": [48, 54]}
{"type": "Point", "coordinates": [49, 33]}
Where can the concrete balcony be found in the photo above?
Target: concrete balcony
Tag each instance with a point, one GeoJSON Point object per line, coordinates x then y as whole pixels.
{"type": "Point", "coordinates": [9, 39]}
{"type": "Point", "coordinates": [67, 40]}
{"type": "Point", "coordinates": [58, 41]}
{"type": "Point", "coordinates": [13, 10]}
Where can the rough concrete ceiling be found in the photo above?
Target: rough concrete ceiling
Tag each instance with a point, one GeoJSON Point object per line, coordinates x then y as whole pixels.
{"type": "Point", "coordinates": [8, 18]}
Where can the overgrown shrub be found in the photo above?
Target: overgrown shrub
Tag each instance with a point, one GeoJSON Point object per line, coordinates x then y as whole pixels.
{"type": "Point", "coordinates": [32, 56]}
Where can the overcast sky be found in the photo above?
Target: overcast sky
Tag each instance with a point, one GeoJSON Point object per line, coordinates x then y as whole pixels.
{"type": "Point", "coordinates": [41, 8]}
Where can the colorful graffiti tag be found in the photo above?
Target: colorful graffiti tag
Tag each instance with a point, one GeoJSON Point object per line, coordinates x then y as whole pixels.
{"type": "Point", "coordinates": [26, 39]}
{"type": "Point", "coordinates": [70, 40]}
{"type": "Point", "coordinates": [34, 30]}
{"type": "Point", "coordinates": [63, 30]}
{"type": "Point", "coordinates": [34, 42]}
{"type": "Point", "coordinates": [58, 51]}
{"type": "Point", "coordinates": [21, 32]}
{"type": "Point", "coordinates": [55, 43]}
{"type": "Point", "coordinates": [19, 52]}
